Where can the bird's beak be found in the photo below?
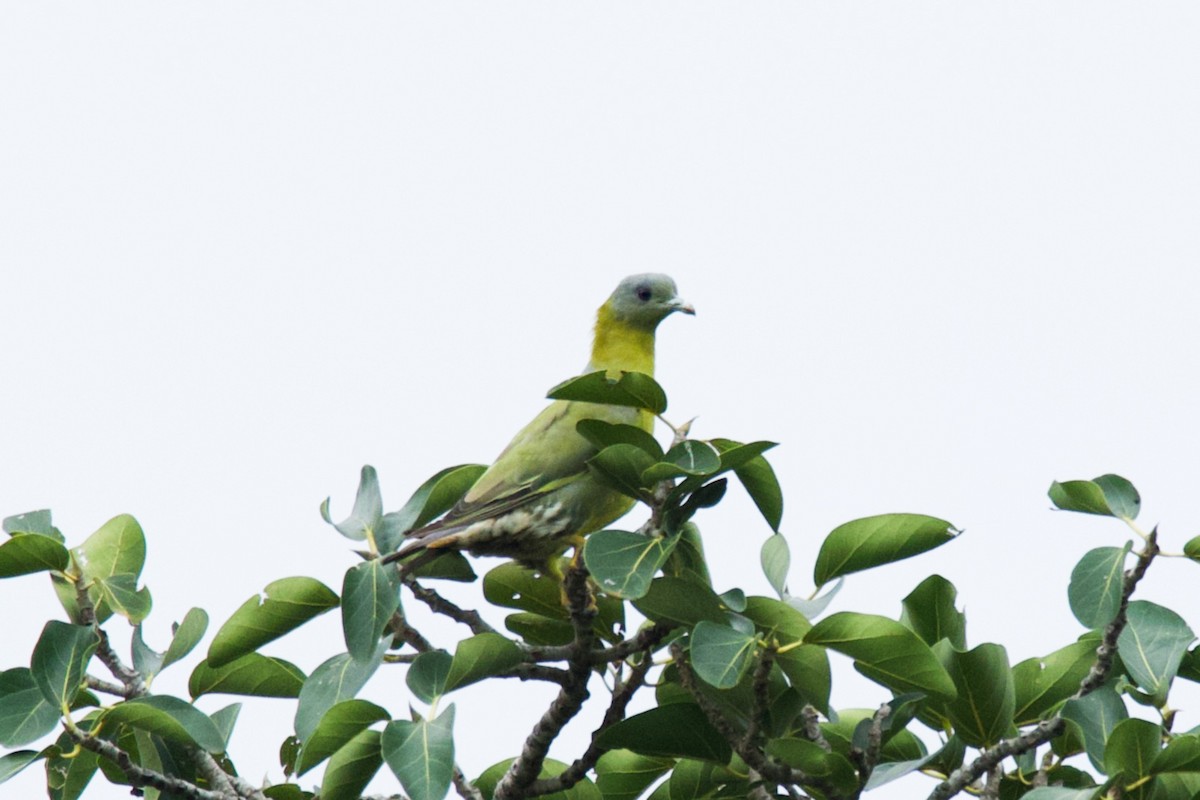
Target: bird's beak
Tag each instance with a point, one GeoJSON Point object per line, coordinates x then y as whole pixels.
{"type": "Point", "coordinates": [679, 304]}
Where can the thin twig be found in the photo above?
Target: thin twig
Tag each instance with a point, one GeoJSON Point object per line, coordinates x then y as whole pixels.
{"type": "Point", "coordinates": [108, 687]}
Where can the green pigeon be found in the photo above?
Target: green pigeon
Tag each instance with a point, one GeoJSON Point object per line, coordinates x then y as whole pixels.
{"type": "Point", "coordinates": [539, 497]}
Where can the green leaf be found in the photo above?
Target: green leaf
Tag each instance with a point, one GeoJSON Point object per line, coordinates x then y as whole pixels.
{"type": "Point", "coordinates": [170, 718]}
{"type": "Point", "coordinates": [120, 594]}
{"type": "Point", "coordinates": [352, 767]}
{"type": "Point", "coordinates": [621, 466]}
{"type": "Point", "coordinates": [146, 660]}
{"type": "Point", "coordinates": [721, 655]}
{"type": "Point", "coordinates": [703, 780]}
{"type": "Point", "coordinates": [339, 725]}
{"type": "Point", "coordinates": [1096, 714]}
{"type": "Point", "coordinates": [687, 559]}
{"type": "Point", "coordinates": [623, 563]}
{"type": "Point", "coordinates": [983, 711]}
{"type": "Point", "coordinates": [427, 676]}
{"type": "Point", "coordinates": [1108, 495]}
{"type": "Point", "coordinates": [1192, 548]}
{"type": "Point", "coordinates": [365, 519]}
{"type": "Point", "coordinates": [514, 586]}
{"type": "Point", "coordinates": [337, 679]}
{"type": "Point", "coordinates": [602, 434]}
{"type": "Point", "coordinates": [431, 499]}
{"type": "Point", "coordinates": [12, 763]}
{"type": "Point", "coordinates": [632, 389]}
{"type": "Point", "coordinates": [225, 719]}
{"type": "Point", "coordinates": [776, 560]}
{"type": "Point", "coordinates": [117, 548]}
{"type": "Point", "coordinates": [33, 522]}
{"type": "Point", "coordinates": [689, 457]}
{"type": "Point", "coordinates": [805, 665]}
{"type": "Point", "coordinates": [370, 595]}
{"type": "Point", "coordinates": [287, 791]}
{"type": "Point", "coordinates": [67, 778]}
{"type": "Point", "coordinates": [1182, 754]}
{"type": "Point", "coordinates": [540, 631]}
{"type": "Point", "coordinates": [185, 636]}
{"type": "Point", "coordinates": [421, 754]}
{"type": "Point", "coordinates": [929, 612]}
{"type": "Point", "coordinates": [253, 674]}
{"type": "Point", "coordinates": [288, 604]}
{"type": "Point", "coordinates": [884, 651]}
{"type": "Point", "coordinates": [873, 541]}
{"type": "Point", "coordinates": [25, 716]}
{"type": "Point", "coordinates": [680, 601]}
{"type": "Point", "coordinates": [886, 773]}
{"type": "Point", "coordinates": [678, 730]}
{"type": "Point", "coordinates": [625, 775]}
{"type": "Point", "coordinates": [1060, 793]}
{"type": "Point", "coordinates": [901, 745]}
{"type": "Point", "coordinates": [756, 476]}
{"type": "Point", "coordinates": [1152, 645]}
{"type": "Point", "coordinates": [450, 565]}
{"type": "Point", "coordinates": [1132, 747]}
{"type": "Point", "coordinates": [60, 660]}
{"type": "Point", "coordinates": [1043, 683]}
{"type": "Point", "coordinates": [1096, 585]}
{"type": "Point", "coordinates": [479, 657]}
{"type": "Point", "coordinates": [26, 553]}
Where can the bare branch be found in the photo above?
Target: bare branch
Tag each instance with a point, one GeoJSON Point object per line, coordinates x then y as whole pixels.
{"type": "Point", "coordinates": [768, 768]}
{"type": "Point", "coordinates": [134, 684]}
{"type": "Point", "coordinates": [760, 688]}
{"type": "Point", "coordinates": [108, 687]}
{"type": "Point", "coordinates": [440, 605]}
{"type": "Point", "coordinates": [646, 640]}
{"type": "Point", "coordinates": [526, 768]}
{"type": "Point", "coordinates": [811, 729]}
{"type": "Point", "coordinates": [466, 790]}
{"type": "Point", "coordinates": [141, 778]}
{"type": "Point", "coordinates": [579, 768]}
{"type": "Point", "coordinates": [408, 634]}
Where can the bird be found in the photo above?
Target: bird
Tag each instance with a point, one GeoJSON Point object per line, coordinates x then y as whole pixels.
{"type": "Point", "coordinates": [538, 498]}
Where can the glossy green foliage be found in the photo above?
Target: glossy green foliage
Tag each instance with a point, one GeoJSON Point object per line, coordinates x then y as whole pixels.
{"type": "Point", "coordinates": [732, 677]}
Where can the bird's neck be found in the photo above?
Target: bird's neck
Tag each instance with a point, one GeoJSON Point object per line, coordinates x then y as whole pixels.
{"type": "Point", "coordinates": [620, 346]}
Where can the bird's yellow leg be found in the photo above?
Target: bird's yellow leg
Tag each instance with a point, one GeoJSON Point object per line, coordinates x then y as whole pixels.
{"type": "Point", "coordinates": [555, 567]}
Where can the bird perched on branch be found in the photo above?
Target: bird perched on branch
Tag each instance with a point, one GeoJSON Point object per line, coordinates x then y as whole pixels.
{"type": "Point", "coordinates": [539, 497]}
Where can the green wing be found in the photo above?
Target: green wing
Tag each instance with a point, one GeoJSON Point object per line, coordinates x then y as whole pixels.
{"type": "Point", "coordinates": [545, 455]}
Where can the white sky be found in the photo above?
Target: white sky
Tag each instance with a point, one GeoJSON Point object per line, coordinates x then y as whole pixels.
{"type": "Point", "coordinates": [944, 253]}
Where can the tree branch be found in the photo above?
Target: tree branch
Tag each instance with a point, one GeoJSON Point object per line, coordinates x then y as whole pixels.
{"type": "Point", "coordinates": [579, 768]}
{"type": "Point", "coordinates": [526, 768]}
{"type": "Point", "coordinates": [134, 684]}
{"type": "Point", "coordinates": [140, 777]}
{"type": "Point", "coordinates": [440, 605]}
{"type": "Point", "coordinates": [1048, 729]}
{"type": "Point", "coordinates": [768, 768]}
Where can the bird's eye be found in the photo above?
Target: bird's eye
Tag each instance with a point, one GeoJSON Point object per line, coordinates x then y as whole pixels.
{"type": "Point", "coordinates": [644, 294]}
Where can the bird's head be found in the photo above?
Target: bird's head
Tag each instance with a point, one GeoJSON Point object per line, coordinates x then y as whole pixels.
{"type": "Point", "coordinates": [645, 300]}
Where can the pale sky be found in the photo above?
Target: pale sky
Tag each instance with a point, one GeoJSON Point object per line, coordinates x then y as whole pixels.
{"type": "Point", "coordinates": [945, 253]}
